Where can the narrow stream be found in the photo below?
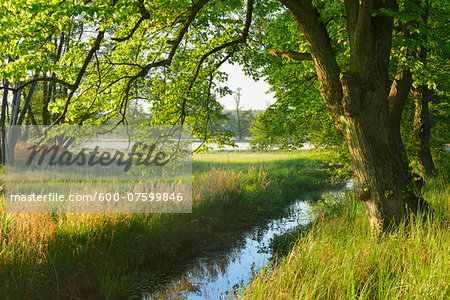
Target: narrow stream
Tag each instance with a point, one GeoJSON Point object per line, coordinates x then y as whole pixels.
{"type": "Point", "coordinates": [215, 275]}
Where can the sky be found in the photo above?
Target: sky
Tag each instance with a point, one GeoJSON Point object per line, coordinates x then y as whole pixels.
{"type": "Point", "coordinates": [254, 93]}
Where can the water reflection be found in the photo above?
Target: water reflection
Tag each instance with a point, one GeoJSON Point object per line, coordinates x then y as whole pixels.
{"type": "Point", "coordinates": [220, 274]}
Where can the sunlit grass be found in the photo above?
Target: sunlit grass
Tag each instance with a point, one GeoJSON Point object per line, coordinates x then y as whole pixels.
{"type": "Point", "coordinates": [304, 160]}
{"type": "Point", "coordinates": [340, 258]}
{"type": "Point", "coordinates": [254, 157]}
{"type": "Point", "coordinates": [93, 256]}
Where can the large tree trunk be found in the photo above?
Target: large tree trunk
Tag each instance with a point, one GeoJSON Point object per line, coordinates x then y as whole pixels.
{"type": "Point", "coordinates": [366, 105]}
{"type": "Point", "coordinates": [372, 108]}
{"type": "Point", "coordinates": [378, 157]}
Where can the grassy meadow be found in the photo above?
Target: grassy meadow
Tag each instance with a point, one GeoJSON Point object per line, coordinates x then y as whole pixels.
{"type": "Point", "coordinates": [101, 256]}
{"type": "Point", "coordinates": [339, 258]}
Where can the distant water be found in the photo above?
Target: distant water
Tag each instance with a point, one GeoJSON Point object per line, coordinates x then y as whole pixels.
{"type": "Point", "coordinates": [243, 145]}
{"type": "Point", "coordinates": [123, 144]}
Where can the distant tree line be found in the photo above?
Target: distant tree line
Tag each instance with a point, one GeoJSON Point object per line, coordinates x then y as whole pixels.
{"type": "Point", "coordinates": [239, 122]}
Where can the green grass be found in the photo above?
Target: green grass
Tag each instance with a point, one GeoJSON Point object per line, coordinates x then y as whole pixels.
{"type": "Point", "coordinates": [101, 256]}
{"type": "Point", "coordinates": [339, 258]}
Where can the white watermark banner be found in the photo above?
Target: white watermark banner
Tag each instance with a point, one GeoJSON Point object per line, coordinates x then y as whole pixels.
{"type": "Point", "coordinates": [90, 169]}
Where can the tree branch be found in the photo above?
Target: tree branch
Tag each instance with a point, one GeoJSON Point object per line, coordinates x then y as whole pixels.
{"type": "Point", "coordinates": [165, 62]}
{"type": "Point", "coordinates": [233, 44]}
{"type": "Point", "coordinates": [403, 79]}
{"type": "Point", "coordinates": [294, 55]}
{"type": "Point", "coordinates": [34, 80]}
{"type": "Point", "coordinates": [145, 16]}
{"type": "Point", "coordinates": [398, 95]}
{"type": "Point", "coordinates": [26, 107]}
{"type": "Point", "coordinates": [86, 62]}
{"type": "Point", "coordinates": [318, 40]}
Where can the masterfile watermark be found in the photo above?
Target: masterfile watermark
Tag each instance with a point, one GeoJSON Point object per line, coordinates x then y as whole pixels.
{"type": "Point", "coordinates": [50, 168]}
{"type": "Point", "coordinates": [94, 157]}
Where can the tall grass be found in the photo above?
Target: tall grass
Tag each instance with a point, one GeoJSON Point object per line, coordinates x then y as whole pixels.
{"type": "Point", "coordinates": [339, 258]}
{"type": "Point", "coordinates": [100, 256]}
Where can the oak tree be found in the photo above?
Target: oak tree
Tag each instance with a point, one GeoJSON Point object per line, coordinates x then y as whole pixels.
{"type": "Point", "coordinates": [169, 53]}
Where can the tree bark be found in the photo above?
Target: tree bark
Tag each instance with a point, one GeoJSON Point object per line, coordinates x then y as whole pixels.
{"type": "Point", "coordinates": [366, 107]}
{"type": "Point", "coordinates": [422, 128]}
{"type": "Point", "coordinates": [237, 100]}
{"type": "Point", "coordinates": [422, 125]}
{"type": "Point", "coordinates": [46, 97]}
{"type": "Point", "coordinates": [3, 123]}
{"type": "Point", "coordinates": [378, 159]}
